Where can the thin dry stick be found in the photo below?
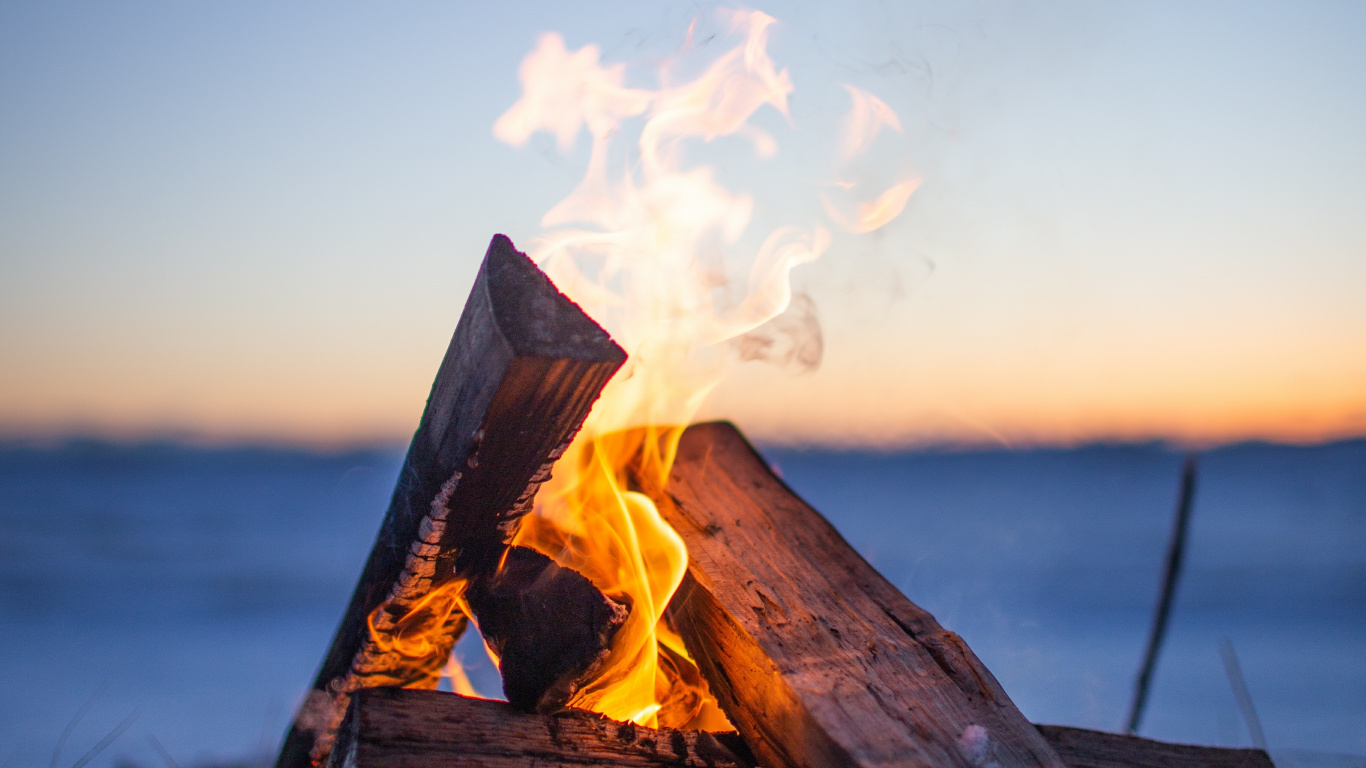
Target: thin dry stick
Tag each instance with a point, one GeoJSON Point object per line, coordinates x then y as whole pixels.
{"type": "Point", "coordinates": [75, 720]}
{"type": "Point", "coordinates": [166, 756]}
{"type": "Point", "coordinates": [108, 739]}
{"type": "Point", "coordinates": [1175, 554]}
{"type": "Point", "coordinates": [1235, 680]}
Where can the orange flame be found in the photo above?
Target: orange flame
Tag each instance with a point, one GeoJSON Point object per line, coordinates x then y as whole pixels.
{"type": "Point", "coordinates": [592, 521]}
{"type": "Point", "coordinates": [410, 635]}
{"type": "Point", "coordinates": [413, 637]}
{"type": "Point", "coordinates": [643, 249]}
{"type": "Point", "coordinates": [627, 249]}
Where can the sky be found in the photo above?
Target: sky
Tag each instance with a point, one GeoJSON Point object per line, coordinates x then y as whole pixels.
{"type": "Point", "coordinates": [259, 221]}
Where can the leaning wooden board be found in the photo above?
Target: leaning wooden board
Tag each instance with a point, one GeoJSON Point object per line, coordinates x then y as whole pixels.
{"type": "Point", "coordinates": [523, 368]}
{"type": "Point", "coordinates": [815, 657]}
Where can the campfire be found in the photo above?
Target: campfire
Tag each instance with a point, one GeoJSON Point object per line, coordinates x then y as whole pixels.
{"type": "Point", "coordinates": [651, 592]}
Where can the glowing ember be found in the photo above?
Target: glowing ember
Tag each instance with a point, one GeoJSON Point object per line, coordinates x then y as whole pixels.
{"type": "Point", "coordinates": [632, 247]}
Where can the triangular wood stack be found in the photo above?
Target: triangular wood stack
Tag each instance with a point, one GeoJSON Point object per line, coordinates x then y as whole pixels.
{"type": "Point", "coordinates": [815, 658]}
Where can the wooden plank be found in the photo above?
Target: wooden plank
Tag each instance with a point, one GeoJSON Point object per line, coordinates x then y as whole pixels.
{"type": "Point", "coordinates": [815, 657]}
{"type": "Point", "coordinates": [390, 727]}
{"type": "Point", "coordinates": [1081, 748]}
{"type": "Point", "coordinates": [523, 368]}
{"type": "Point", "coordinates": [398, 728]}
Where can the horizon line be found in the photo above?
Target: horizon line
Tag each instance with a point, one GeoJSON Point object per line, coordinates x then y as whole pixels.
{"type": "Point", "coordinates": [206, 440]}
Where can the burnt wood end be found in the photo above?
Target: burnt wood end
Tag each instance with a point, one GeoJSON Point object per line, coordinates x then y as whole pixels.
{"type": "Point", "coordinates": [522, 370]}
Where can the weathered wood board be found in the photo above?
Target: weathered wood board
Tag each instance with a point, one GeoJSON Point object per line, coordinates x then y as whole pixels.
{"type": "Point", "coordinates": [396, 728]}
{"type": "Point", "coordinates": [1081, 748]}
{"type": "Point", "coordinates": [522, 370]}
{"type": "Point", "coordinates": [815, 657]}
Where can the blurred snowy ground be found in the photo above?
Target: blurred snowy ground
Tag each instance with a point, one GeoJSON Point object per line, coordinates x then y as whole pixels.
{"type": "Point", "coordinates": [196, 589]}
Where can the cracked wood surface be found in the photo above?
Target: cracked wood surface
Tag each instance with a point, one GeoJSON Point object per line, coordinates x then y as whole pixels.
{"type": "Point", "coordinates": [397, 728]}
{"type": "Point", "coordinates": [815, 657]}
{"type": "Point", "coordinates": [417, 729]}
{"type": "Point", "coordinates": [523, 368]}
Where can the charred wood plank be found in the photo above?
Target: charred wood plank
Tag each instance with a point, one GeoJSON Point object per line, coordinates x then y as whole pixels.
{"type": "Point", "coordinates": [815, 657]}
{"type": "Point", "coordinates": [397, 728]}
{"type": "Point", "coordinates": [548, 625]}
{"type": "Point", "coordinates": [1081, 748]}
{"type": "Point", "coordinates": [387, 727]}
{"type": "Point", "coordinates": [522, 370]}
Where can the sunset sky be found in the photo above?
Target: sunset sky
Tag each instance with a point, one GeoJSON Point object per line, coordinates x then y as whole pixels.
{"type": "Point", "coordinates": [259, 221]}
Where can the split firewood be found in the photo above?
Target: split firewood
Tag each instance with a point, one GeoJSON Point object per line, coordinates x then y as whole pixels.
{"type": "Point", "coordinates": [1080, 748]}
{"type": "Point", "coordinates": [548, 626]}
{"type": "Point", "coordinates": [815, 657]}
{"type": "Point", "coordinates": [522, 370]}
{"type": "Point", "coordinates": [396, 728]}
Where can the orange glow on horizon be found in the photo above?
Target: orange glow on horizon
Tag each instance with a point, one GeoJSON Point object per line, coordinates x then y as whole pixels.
{"type": "Point", "coordinates": [862, 396]}
{"type": "Point", "coordinates": [855, 401]}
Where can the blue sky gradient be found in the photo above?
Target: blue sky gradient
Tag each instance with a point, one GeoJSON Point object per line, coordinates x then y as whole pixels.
{"type": "Point", "coordinates": [259, 220]}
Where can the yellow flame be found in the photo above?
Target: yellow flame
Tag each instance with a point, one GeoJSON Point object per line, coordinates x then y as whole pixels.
{"type": "Point", "coordinates": [643, 248]}
{"type": "Point", "coordinates": [460, 682]}
{"type": "Point", "coordinates": [876, 214]}
{"type": "Point", "coordinates": [593, 520]}
{"type": "Point", "coordinates": [627, 248]}
{"type": "Point", "coordinates": [413, 637]}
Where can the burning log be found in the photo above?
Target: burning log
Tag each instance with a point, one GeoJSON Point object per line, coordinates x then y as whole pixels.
{"type": "Point", "coordinates": [390, 727]}
{"type": "Point", "coordinates": [815, 657]}
{"type": "Point", "coordinates": [547, 625]}
{"type": "Point", "coordinates": [1080, 748]}
{"type": "Point", "coordinates": [393, 728]}
{"type": "Point", "coordinates": [522, 370]}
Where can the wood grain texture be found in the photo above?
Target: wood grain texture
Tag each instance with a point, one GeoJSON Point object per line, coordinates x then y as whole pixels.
{"type": "Point", "coordinates": [814, 656]}
{"type": "Point", "coordinates": [394, 727]}
{"type": "Point", "coordinates": [1081, 748]}
{"type": "Point", "coordinates": [398, 728]}
{"type": "Point", "coordinates": [523, 368]}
